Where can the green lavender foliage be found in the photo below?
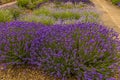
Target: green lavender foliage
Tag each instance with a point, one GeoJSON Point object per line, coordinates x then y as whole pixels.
{"type": "Point", "coordinates": [5, 16]}
{"type": "Point", "coordinates": [115, 1]}
{"type": "Point", "coordinates": [29, 4]}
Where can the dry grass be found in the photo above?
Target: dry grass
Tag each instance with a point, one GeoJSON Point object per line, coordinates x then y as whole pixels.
{"type": "Point", "coordinates": [28, 74]}
{"type": "Point", "coordinates": [22, 74]}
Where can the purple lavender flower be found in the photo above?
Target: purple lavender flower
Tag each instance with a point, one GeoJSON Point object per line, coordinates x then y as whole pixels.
{"type": "Point", "coordinates": [83, 51]}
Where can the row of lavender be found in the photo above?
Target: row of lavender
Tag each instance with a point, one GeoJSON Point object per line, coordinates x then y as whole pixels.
{"type": "Point", "coordinates": [32, 4]}
{"type": "Point", "coordinates": [84, 51]}
{"type": "Point", "coordinates": [52, 13]}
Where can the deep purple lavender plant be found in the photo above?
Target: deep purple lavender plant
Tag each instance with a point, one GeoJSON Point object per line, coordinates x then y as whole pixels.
{"type": "Point", "coordinates": [84, 51]}
{"type": "Point", "coordinates": [15, 38]}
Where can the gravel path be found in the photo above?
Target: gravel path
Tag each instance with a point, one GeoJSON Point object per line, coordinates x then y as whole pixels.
{"type": "Point", "coordinates": [110, 14]}
{"type": "Point", "coordinates": [7, 5]}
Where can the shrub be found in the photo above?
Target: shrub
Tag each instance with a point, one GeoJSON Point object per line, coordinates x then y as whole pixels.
{"type": "Point", "coordinates": [29, 4]}
{"type": "Point", "coordinates": [15, 38]}
{"type": "Point", "coordinates": [83, 51]}
{"type": "Point", "coordinates": [70, 5]}
{"type": "Point", "coordinates": [65, 15]}
{"type": "Point", "coordinates": [15, 12]}
{"type": "Point", "coordinates": [57, 13]}
{"type": "Point", "coordinates": [115, 1]}
{"type": "Point", "coordinates": [43, 11]}
{"type": "Point", "coordinates": [46, 20]}
{"type": "Point", "coordinates": [22, 3]}
{"type": "Point", "coordinates": [74, 1]}
{"type": "Point", "coordinates": [89, 16]}
{"type": "Point", "coordinates": [5, 16]}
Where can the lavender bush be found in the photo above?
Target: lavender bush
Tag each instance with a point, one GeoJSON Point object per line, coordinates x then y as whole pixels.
{"type": "Point", "coordinates": [15, 38]}
{"type": "Point", "coordinates": [50, 14]}
{"type": "Point", "coordinates": [5, 16]}
{"type": "Point", "coordinates": [85, 51]}
{"type": "Point", "coordinates": [32, 4]}
{"type": "Point", "coordinates": [46, 20]}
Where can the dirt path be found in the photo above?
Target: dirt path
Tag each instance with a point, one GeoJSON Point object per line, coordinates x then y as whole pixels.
{"type": "Point", "coordinates": [7, 5]}
{"type": "Point", "coordinates": [110, 14]}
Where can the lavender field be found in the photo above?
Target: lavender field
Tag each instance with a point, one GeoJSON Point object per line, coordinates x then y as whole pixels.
{"type": "Point", "coordinates": [57, 40]}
